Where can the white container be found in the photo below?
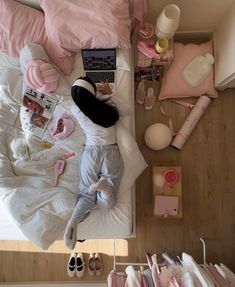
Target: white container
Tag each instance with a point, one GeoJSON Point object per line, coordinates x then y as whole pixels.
{"type": "Point", "coordinates": [168, 22]}
{"type": "Point", "coordinates": [198, 69]}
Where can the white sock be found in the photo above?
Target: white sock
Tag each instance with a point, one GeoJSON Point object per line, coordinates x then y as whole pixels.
{"type": "Point", "coordinates": [103, 187]}
{"type": "Point", "coordinates": [70, 235]}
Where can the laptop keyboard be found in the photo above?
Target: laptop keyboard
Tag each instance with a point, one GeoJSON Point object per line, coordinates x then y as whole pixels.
{"type": "Point", "coordinates": [98, 77]}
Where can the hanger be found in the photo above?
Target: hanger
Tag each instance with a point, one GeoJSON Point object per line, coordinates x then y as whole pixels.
{"type": "Point", "coordinates": [168, 259]}
{"type": "Point", "coordinates": [152, 262]}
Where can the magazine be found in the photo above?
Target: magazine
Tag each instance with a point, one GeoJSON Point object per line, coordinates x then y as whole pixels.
{"type": "Point", "coordinates": [40, 108]}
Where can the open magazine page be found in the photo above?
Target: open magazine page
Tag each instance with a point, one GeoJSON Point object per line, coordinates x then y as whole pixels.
{"type": "Point", "coordinates": [40, 108]}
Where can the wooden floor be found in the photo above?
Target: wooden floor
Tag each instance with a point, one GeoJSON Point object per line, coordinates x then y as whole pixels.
{"type": "Point", "coordinates": [208, 172]}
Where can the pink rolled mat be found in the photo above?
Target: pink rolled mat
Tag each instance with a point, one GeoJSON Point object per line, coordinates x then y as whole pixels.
{"type": "Point", "coordinates": [190, 122]}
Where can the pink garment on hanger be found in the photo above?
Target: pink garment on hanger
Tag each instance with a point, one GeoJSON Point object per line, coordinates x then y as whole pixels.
{"type": "Point", "coordinates": [143, 281]}
{"type": "Point", "coordinates": [152, 262]}
{"type": "Point", "coordinates": [217, 276]}
{"type": "Point", "coordinates": [226, 273]}
{"type": "Point", "coordinates": [173, 283]}
{"type": "Point", "coordinates": [133, 277]}
{"type": "Point", "coordinates": [201, 274]}
{"type": "Point", "coordinates": [171, 275]}
{"type": "Point", "coordinates": [116, 279]}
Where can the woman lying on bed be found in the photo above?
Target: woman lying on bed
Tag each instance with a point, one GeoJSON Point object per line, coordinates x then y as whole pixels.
{"type": "Point", "coordinates": [101, 165]}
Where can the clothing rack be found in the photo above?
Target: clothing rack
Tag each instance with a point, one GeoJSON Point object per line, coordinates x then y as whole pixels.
{"type": "Point", "coordinates": [116, 263]}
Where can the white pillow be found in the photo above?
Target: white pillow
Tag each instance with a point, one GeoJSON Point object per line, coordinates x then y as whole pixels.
{"type": "Point", "coordinates": [134, 162]}
{"type": "Point", "coordinates": [123, 59]}
{"type": "Point", "coordinates": [11, 79]}
{"type": "Point", "coordinates": [32, 51]}
{"type": "Point", "coordinates": [8, 62]}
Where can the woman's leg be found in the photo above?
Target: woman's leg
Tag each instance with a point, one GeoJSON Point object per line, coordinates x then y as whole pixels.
{"type": "Point", "coordinates": [88, 175]}
{"type": "Point", "coordinates": [110, 175]}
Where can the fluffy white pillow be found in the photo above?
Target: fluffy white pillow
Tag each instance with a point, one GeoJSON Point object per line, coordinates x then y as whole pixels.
{"type": "Point", "coordinates": [134, 162]}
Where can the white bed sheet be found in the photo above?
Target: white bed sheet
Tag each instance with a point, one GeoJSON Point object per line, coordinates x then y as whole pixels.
{"type": "Point", "coordinates": [102, 223]}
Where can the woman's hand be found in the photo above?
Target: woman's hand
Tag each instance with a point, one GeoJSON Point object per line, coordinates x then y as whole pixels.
{"type": "Point", "coordinates": [104, 88]}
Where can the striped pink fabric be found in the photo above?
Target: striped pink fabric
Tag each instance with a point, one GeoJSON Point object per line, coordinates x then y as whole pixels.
{"type": "Point", "coordinates": [143, 281]}
{"type": "Point", "coordinates": [116, 279]}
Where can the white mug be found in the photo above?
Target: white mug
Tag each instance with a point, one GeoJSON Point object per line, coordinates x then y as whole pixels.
{"type": "Point", "coordinates": [168, 22]}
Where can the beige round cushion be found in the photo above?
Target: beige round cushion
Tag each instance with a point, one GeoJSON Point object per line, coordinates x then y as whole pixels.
{"type": "Point", "coordinates": [158, 136]}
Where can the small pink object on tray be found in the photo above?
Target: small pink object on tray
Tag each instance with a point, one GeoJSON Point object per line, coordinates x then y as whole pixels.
{"type": "Point", "coordinates": [171, 176]}
{"type": "Point", "coordinates": [147, 48]}
{"type": "Point", "coordinates": [146, 30]}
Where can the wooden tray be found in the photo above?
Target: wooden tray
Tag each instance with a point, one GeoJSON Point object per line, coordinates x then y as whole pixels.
{"type": "Point", "coordinates": [174, 189]}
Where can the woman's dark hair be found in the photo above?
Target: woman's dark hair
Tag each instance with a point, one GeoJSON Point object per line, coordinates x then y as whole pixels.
{"type": "Point", "coordinates": [96, 110]}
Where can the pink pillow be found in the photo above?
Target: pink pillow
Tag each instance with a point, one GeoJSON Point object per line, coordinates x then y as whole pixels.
{"type": "Point", "coordinates": [21, 25]}
{"type": "Point", "coordinates": [77, 24]}
{"type": "Point", "coordinates": [41, 76]}
{"type": "Point", "coordinates": [174, 86]}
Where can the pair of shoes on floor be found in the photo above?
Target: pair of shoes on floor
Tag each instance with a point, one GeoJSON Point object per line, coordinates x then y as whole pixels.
{"type": "Point", "coordinates": [147, 99]}
{"type": "Point", "coordinates": [95, 266]}
{"type": "Point", "coordinates": [76, 265]}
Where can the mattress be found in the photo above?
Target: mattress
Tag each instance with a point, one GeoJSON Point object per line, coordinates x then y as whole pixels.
{"type": "Point", "coordinates": [29, 186]}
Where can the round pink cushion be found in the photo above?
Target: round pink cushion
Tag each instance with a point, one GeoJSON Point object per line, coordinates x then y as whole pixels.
{"type": "Point", "coordinates": [41, 76]}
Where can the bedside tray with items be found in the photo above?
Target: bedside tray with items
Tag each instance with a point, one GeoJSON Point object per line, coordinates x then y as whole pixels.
{"type": "Point", "coordinates": [150, 64]}
{"type": "Point", "coordinates": [167, 192]}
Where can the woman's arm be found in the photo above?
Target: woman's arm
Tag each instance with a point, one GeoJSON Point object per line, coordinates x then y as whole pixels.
{"type": "Point", "coordinates": [105, 93]}
{"type": "Point", "coordinates": [124, 109]}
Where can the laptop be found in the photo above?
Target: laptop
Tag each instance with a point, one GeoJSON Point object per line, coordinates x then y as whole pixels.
{"type": "Point", "coordinates": [100, 65]}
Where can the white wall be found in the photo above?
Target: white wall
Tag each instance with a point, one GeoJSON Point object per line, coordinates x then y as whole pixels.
{"type": "Point", "coordinates": [196, 15]}
{"type": "Point", "coordinates": [224, 39]}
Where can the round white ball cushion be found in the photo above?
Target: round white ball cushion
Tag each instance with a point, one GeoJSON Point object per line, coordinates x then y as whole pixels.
{"type": "Point", "coordinates": [158, 136]}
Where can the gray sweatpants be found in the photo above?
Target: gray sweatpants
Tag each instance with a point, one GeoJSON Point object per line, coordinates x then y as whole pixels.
{"type": "Point", "coordinates": [96, 162]}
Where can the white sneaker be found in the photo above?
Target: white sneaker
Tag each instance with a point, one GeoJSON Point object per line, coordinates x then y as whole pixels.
{"type": "Point", "coordinates": [71, 267]}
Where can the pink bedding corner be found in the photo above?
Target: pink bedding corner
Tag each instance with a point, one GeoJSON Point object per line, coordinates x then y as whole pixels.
{"type": "Point", "coordinates": [20, 25]}
{"type": "Point", "coordinates": [76, 24]}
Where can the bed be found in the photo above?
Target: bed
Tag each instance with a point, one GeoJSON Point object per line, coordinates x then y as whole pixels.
{"type": "Point", "coordinates": [30, 206]}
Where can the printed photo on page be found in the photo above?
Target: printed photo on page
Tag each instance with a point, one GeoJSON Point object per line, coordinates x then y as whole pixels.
{"type": "Point", "coordinates": [40, 108]}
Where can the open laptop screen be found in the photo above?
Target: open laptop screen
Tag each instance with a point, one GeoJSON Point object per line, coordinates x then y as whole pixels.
{"type": "Point", "coordinates": [99, 59]}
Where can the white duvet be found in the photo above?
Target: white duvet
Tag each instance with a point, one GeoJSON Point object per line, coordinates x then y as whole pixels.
{"type": "Point", "coordinates": [39, 209]}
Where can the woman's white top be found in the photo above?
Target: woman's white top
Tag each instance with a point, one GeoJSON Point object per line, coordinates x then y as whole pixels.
{"type": "Point", "coordinates": [96, 134]}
